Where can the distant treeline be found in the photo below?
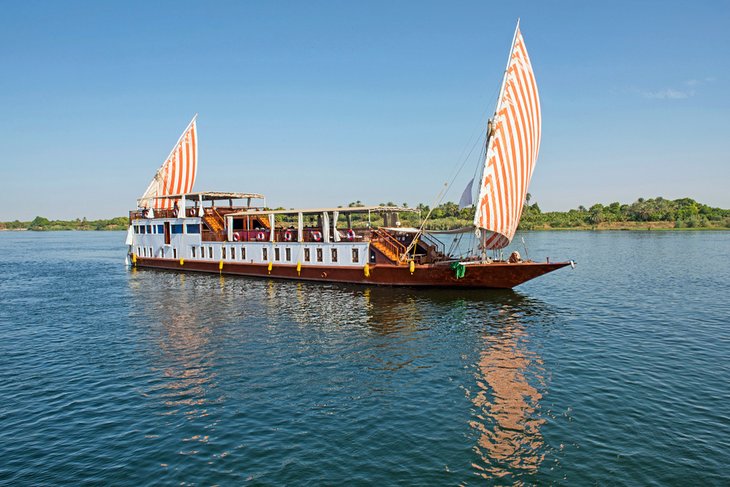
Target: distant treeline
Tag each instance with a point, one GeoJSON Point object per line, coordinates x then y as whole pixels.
{"type": "Point", "coordinates": [40, 224]}
{"type": "Point", "coordinates": [679, 213]}
{"type": "Point", "coordinates": [643, 213]}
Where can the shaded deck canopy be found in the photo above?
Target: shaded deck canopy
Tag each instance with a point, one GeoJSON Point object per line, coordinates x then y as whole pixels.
{"type": "Point", "coordinates": [206, 196]}
{"type": "Point", "coordinates": [327, 218]}
{"type": "Point", "coordinates": [314, 211]}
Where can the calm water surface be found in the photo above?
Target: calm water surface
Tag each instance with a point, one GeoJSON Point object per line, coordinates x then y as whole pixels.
{"type": "Point", "coordinates": [617, 372]}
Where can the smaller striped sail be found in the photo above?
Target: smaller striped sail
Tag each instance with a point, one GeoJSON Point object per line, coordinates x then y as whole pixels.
{"type": "Point", "coordinates": [177, 173]}
{"type": "Point", "coordinates": [511, 151]}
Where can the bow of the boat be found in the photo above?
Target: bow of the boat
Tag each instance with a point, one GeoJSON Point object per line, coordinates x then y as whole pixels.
{"type": "Point", "coordinates": [530, 270]}
{"type": "Point", "coordinates": [507, 274]}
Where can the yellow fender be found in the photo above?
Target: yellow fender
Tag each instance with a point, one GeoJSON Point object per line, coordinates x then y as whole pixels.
{"type": "Point", "coordinates": [412, 267]}
{"type": "Point", "coordinates": [271, 266]}
{"type": "Point", "coordinates": [366, 270]}
{"type": "Point", "coordinates": [182, 261]}
{"type": "Point", "coordinates": [299, 268]}
{"type": "Point", "coordinates": [220, 265]}
{"type": "Point", "coordinates": [134, 258]}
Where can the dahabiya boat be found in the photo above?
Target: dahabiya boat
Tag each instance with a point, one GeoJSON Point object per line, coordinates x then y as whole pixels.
{"type": "Point", "coordinates": [175, 228]}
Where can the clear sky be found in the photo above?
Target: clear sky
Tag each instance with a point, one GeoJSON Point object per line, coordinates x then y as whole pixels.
{"type": "Point", "coordinates": [322, 103]}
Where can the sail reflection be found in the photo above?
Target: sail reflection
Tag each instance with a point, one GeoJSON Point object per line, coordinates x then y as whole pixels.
{"type": "Point", "coordinates": [507, 402]}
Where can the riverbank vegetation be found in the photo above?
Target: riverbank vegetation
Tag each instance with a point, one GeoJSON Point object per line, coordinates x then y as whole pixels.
{"type": "Point", "coordinates": [643, 214]}
{"type": "Point", "coordinates": [653, 213]}
{"type": "Point", "coordinates": [40, 223]}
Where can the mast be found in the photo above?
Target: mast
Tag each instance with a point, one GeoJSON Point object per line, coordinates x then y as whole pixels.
{"type": "Point", "coordinates": [512, 147]}
{"type": "Point", "coordinates": [490, 124]}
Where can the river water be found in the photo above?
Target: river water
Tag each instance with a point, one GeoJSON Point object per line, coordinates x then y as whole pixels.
{"type": "Point", "coordinates": [617, 372]}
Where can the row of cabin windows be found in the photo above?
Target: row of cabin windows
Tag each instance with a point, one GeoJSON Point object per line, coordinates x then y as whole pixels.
{"type": "Point", "coordinates": [152, 229]}
{"type": "Point", "coordinates": [191, 228]}
{"type": "Point", "coordinates": [307, 254]}
{"type": "Point", "coordinates": [145, 252]}
{"type": "Point", "coordinates": [224, 252]}
{"type": "Point", "coordinates": [202, 252]}
{"type": "Point", "coordinates": [277, 254]}
{"type": "Point", "coordinates": [148, 252]}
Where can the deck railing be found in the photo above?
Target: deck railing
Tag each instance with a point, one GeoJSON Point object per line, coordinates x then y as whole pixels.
{"type": "Point", "coordinates": [437, 245]}
{"type": "Point", "coordinates": [314, 235]}
{"type": "Point", "coordinates": [190, 211]}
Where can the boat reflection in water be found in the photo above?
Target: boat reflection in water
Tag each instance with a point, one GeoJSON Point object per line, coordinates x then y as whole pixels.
{"type": "Point", "coordinates": [510, 378]}
{"type": "Point", "coordinates": [181, 355]}
{"type": "Point", "coordinates": [377, 356]}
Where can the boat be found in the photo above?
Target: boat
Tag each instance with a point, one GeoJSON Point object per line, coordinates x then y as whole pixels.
{"type": "Point", "coordinates": [235, 233]}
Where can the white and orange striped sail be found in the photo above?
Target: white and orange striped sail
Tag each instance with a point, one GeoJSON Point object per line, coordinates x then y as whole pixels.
{"type": "Point", "coordinates": [511, 151]}
{"type": "Point", "coordinates": [177, 173]}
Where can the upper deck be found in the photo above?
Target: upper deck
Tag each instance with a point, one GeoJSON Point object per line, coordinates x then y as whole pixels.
{"type": "Point", "coordinates": [231, 222]}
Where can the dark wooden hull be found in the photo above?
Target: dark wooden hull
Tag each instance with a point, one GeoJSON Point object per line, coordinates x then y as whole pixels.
{"type": "Point", "coordinates": [498, 275]}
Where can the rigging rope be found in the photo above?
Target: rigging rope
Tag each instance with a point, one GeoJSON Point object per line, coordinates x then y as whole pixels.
{"type": "Point", "coordinates": [444, 191]}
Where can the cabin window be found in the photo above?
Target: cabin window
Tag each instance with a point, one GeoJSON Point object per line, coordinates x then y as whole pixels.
{"type": "Point", "coordinates": [233, 253]}
{"type": "Point", "coordinates": [144, 251]}
{"type": "Point", "coordinates": [277, 257]}
{"type": "Point", "coordinates": [287, 252]}
{"type": "Point", "coordinates": [139, 250]}
{"type": "Point", "coordinates": [136, 229]}
{"type": "Point", "coordinates": [152, 254]}
{"type": "Point", "coordinates": [355, 256]}
{"type": "Point", "coordinates": [141, 229]}
{"type": "Point", "coordinates": [174, 253]}
{"type": "Point", "coordinates": [194, 249]}
{"type": "Point", "coordinates": [193, 228]}
{"type": "Point", "coordinates": [243, 253]}
{"type": "Point", "coordinates": [210, 252]}
{"type": "Point", "coordinates": [160, 229]}
{"type": "Point", "coordinates": [202, 252]}
{"type": "Point", "coordinates": [334, 255]}
{"type": "Point", "coordinates": [149, 228]}
{"type": "Point", "coordinates": [319, 255]}
{"type": "Point", "coordinates": [223, 252]}
{"type": "Point", "coordinates": [266, 253]}
{"type": "Point", "coordinates": [176, 228]}
{"type": "Point", "coordinates": [307, 256]}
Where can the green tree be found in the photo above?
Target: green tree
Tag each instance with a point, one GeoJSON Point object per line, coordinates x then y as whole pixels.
{"type": "Point", "coordinates": [39, 223]}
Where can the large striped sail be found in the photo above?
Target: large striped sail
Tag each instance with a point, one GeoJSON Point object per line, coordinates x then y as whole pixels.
{"type": "Point", "coordinates": [511, 151]}
{"type": "Point", "coordinates": [177, 173]}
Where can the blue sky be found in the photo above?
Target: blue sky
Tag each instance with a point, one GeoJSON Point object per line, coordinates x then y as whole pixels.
{"type": "Point", "coordinates": [323, 103]}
